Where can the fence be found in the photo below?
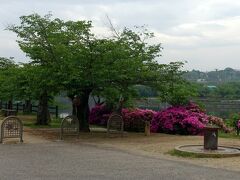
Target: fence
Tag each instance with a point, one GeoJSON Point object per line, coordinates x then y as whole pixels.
{"type": "Point", "coordinates": [33, 108]}
{"type": "Point", "coordinates": [219, 107]}
{"type": "Point", "coordinates": [150, 103]}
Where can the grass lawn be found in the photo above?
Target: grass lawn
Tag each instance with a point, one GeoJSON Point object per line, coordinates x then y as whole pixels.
{"type": "Point", "coordinates": [30, 120]}
{"type": "Point", "coordinates": [55, 123]}
{"type": "Point", "coordinates": [192, 155]}
{"type": "Point", "coordinates": [231, 135]}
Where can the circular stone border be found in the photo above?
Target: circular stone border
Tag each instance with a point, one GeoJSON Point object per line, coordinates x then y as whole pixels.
{"type": "Point", "coordinates": [209, 153]}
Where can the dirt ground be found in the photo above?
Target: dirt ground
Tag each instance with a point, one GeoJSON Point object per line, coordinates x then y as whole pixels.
{"type": "Point", "coordinates": [156, 145]}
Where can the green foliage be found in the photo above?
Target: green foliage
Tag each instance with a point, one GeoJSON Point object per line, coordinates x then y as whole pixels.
{"type": "Point", "coordinates": [203, 90]}
{"type": "Point", "coordinates": [181, 94]}
{"type": "Point", "coordinates": [45, 41]}
{"type": "Point", "coordinates": [175, 90]}
{"type": "Point", "coordinates": [6, 63]}
{"type": "Point", "coordinates": [145, 91]}
{"type": "Point", "coordinates": [232, 122]}
{"type": "Point", "coordinates": [41, 38]}
{"type": "Point", "coordinates": [8, 79]}
{"type": "Point", "coordinates": [194, 155]}
{"type": "Point", "coordinates": [228, 90]}
{"type": "Point", "coordinates": [67, 53]}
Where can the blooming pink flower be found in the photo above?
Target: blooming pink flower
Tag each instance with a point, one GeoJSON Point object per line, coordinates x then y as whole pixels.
{"type": "Point", "coordinates": [180, 120]}
{"type": "Point", "coordinates": [238, 124]}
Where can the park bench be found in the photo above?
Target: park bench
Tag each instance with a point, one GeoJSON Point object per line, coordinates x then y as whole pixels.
{"type": "Point", "coordinates": [11, 127]}
{"type": "Point", "coordinates": [115, 124]}
{"type": "Point", "coordinates": [9, 112]}
{"type": "Point", "coordinates": [69, 126]}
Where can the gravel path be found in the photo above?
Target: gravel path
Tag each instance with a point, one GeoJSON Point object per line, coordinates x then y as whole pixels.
{"type": "Point", "coordinates": [59, 160]}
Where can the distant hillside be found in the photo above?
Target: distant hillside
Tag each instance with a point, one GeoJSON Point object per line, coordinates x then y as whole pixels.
{"type": "Point", "coordinates": [213, 77]}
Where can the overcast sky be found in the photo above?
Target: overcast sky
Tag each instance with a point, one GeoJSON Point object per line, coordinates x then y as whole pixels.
{"type": "Point", "coordinates": [205, 33]}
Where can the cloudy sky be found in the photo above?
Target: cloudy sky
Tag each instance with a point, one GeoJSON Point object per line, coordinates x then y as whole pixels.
{"type": "Point", "coordinates": [205, 33]}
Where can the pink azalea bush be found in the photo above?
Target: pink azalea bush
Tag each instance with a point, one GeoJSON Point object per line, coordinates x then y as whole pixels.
{"type": "Point", "coordinates": [238, 124]}
{"type": "Point", "coordinates": [180, 120]}
{"type": "Point", "coordinates": [134, 118]}
{"type": "Point", "coordinates": [99, 115]}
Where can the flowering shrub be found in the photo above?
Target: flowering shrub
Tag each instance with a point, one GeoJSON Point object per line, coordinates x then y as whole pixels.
{"type": "Point", "coordinates": [134, 119]}
{"type": "Point", "coordinates": [238, 124]}
{"type": "Point", "coordinates": [219, 122]}
{"type": "Point", "coordinates": [99, 115]}
{"type": "Point", "coordinates": [194, 108]}
{"type": "Point", "coordinates": [180, 120]}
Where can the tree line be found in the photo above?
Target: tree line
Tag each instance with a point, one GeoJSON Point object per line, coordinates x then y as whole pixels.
{"type": "Point", "coordinates": [214, 77]}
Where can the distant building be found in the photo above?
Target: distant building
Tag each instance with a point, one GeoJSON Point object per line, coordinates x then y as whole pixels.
{"type": "Point", "coordinates": [212, 87]}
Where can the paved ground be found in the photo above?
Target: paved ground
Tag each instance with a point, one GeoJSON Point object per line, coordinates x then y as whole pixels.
{"type": "Point", "coordinates": [156, 145]}
{"type": "Point", "coordinates": [59, 160]}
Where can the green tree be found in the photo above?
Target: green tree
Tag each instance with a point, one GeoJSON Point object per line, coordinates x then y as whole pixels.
{"type": "Point", "coordinates": [111, 67]}
{"type": "Point", "coordinates": [43, 40]}
{"type": "Point", "coordinates": [67, 56]}
{"type": "Point", "coordinates": [25, 86]}
{"type": "Point", "coordinates": [8, 80]}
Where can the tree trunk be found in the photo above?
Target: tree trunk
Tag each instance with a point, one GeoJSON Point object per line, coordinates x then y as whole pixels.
{"type": "Point", "coordinates": [74, 111]}
{"type": "Point", "coordinates": [83, 111]}
{"type": "Point", "coordinates": [28, 106]}
{"type": "Point", "coordinates": [10, 104]}
{"type": "Point", "coordinates": [43, 115]}
{"type": "Point", "coordinates": [120, 107]}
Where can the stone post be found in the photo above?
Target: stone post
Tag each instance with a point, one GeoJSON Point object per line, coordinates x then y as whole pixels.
{"type": "Point", "coordinates": [147, 128]}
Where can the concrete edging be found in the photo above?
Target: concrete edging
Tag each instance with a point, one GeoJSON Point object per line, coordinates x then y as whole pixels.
{"type": "Point", "coordinates": [210, 154]}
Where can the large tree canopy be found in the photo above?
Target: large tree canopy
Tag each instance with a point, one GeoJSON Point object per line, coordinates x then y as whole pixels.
{"type": "Point", "coordinates": [67, 56]}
